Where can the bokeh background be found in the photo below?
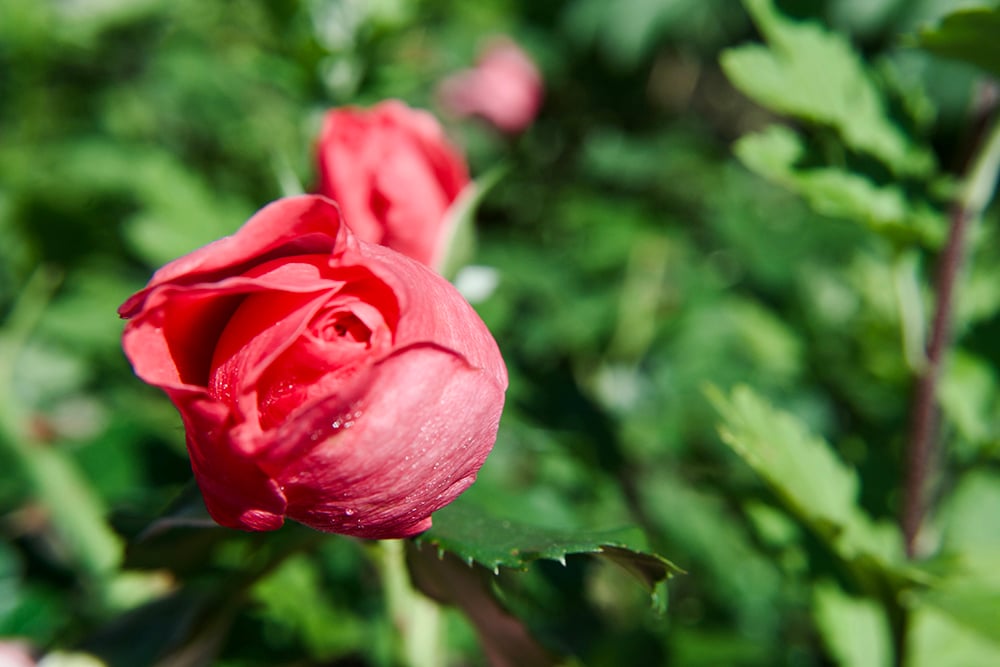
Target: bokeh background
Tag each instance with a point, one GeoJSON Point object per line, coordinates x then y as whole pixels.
{"type": "Point", "coordinates": [636, 262]}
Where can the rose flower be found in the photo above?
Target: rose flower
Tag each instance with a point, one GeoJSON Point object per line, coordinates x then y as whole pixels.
{"type": "Point", "coordinates": [394, 175]}
{"type": "Point", "coordinates": [505, 88]}
{"type": "Point", "coordinates": [321, 378]}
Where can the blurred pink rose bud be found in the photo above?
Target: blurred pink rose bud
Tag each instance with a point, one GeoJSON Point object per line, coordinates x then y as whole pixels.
{"type": "Point", "coordinates": [394, 175]}
{"type": "Point", "coordinates": [15, 653]}
{"type": "Point", "coordinates": [505, 88]}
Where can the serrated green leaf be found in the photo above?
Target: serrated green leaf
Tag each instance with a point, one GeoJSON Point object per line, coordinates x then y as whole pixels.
{"type": "Point", "coordinates": [475, 536]}
{"type": "Point", "coordinates": [811, 73]}
{"type": "Point", "coordinates": [805, 474]}
{"type": "Point", "coordinates": [774, 152]}
{"type": "Point", "coordinates": [967, 34]}
{"type": "Point", "coordinates": [800, 466]}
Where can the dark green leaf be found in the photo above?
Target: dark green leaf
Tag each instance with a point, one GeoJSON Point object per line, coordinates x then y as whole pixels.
{"type": "Point", "coordinates": [186, 623]}
{"type": "Point", "coordinates": [503, 637]}
{"type": "Point", "coordinates": [475, 536]}
{"type": "Point", "coordinates": [181, 539]}
{"type": "Point", "coordinates": [967, 34]}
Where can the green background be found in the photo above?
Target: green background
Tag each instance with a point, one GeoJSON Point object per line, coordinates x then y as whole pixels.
{"type": "Point", "coordinates": [712, 198]}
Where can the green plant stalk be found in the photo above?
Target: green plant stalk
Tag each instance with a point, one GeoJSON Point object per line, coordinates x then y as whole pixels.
{"type": "Point", "coordinates": [416, 617]}
{"type": "Point", "coordinates": [75, 512]}
{"type": "Point", "coordinates": [920, 454]}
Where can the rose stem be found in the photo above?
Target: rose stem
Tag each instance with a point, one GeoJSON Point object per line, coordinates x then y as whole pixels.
{"type": "Point", "coordinates": [920, 452]}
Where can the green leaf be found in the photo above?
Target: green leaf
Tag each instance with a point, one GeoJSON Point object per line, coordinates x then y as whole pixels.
{"type": "Point", "coordinates": [460, 226]}
{"type": "Point", "coordinates": [855, 630]}
{"type": "Point", "coordinates": [293, 597]}
{"type": "Point", "coordinates": [475, 536]}
{"type": "Point", "coordinates": [700, 524]}
{"type": "Point", "coordinates": [810, 73]}
{"type": "Point", "coordinates": [970, 515]}
{"type": "Point", "coordinates": [971, 603]}
{"type": "Point", "coordinates": [963, 583]}
{"type": "Point", "coordinates": [186, 627]}
{"type": "Point", "coordinates": [181, 540]}
{"type": "Point", "coordinates": [969, 397]}
{"type": "Point", "coordinates": [774, 152]}
{"type": "Point", "coordinates": [178, 209]}
{"type": "Point", "coordinates": [935, 639]}
{"type": "Point", "coordinates": [805, 474]}
{"type": "Point", "coordinates": [966, 34]}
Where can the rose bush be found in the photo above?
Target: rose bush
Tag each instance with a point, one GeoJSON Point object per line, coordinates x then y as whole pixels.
{"type": "Point", "coordinates": [505, 88]}
{"type": "Point", "coordinates": [394, 174]}
{"type": "Point", "coordinates": [320, 378]}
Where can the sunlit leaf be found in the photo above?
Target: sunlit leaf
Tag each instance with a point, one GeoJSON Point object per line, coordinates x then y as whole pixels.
{"type": "Point", "coordinates": [805, 474]}
{"type": "Point", "coordinates": [293, 597]}
{"type": "Point", "coordinates": [855, 630]}
{"type": "Point", "coordinates": [971, 603]}
{"type": "Point", "coordinates": [969, 397]}
{"type": "Point", "coordinates": [935, 639]}
{"type": "Point", "coordinates": [811, 73]}
{"type": "Point", "coordinates": [774, 154]}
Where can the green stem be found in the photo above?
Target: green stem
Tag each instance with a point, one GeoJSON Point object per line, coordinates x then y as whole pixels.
{"type": "Point", "coordinates": [416, 618]}
{"type": "Point", "coordinates": [920, 454]}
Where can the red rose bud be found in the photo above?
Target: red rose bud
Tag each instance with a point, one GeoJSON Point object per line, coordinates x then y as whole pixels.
{"type": "Point", "coordinates": [320, 378]}
{"type": "Point", "coordinates": [505, 89]}
{"type": "Point", "coordinates": [394, 175]}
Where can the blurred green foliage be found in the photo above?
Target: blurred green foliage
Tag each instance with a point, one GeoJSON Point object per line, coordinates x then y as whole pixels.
{"type": "Point", "coordinates": [742, 198]}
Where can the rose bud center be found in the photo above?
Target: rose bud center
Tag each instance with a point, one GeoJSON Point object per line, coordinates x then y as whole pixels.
{"type": "Point", "coordinates": [281, 350]}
